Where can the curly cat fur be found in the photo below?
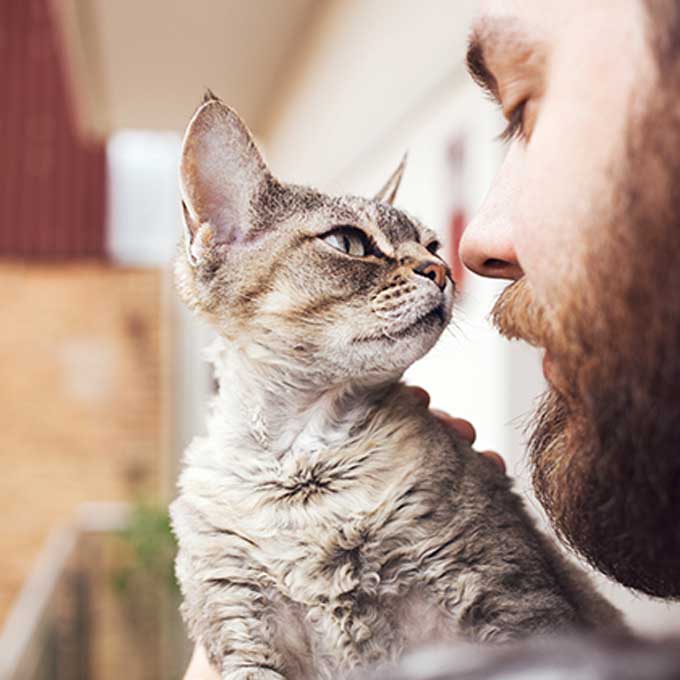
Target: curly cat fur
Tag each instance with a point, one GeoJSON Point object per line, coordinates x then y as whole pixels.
{"type": "Point", "coordinates": [327, 521]}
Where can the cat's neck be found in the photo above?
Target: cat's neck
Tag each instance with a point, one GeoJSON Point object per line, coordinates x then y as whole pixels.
{"type": "Point", "coordinates": [276, 410]}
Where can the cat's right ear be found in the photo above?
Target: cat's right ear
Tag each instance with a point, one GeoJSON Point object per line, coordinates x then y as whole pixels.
{"type": "Point", "coordinates": [389, 191]}
{"type": "Point", "coordinates": [221, 170]}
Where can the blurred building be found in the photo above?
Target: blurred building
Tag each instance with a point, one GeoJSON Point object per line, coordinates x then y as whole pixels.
{"type": "Point", "coordinates": [103, 383]}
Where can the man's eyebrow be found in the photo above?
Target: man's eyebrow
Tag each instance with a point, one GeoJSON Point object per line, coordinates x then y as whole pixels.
{"type": "Point", "coordinates": [501, 35]}
{"type": "Point", "coordinates": [476, 64]}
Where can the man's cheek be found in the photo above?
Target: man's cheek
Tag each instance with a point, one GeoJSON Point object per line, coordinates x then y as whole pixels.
{"type": "Point", "coordinates": [556, 207]}
{"type": "Point", "coordinates": [519, 195]}
{"type": "Point", "coordinates": [538, 227]}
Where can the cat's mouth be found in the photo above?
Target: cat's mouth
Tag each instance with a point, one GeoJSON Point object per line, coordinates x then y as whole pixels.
{"type": "Point", "coordinates": [435, 317]}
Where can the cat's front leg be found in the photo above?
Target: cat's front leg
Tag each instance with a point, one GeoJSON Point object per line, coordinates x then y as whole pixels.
{"type": "Point", "coordinates": [240, 650]}
{"type": "Point", "coordinates": [251, 674]}
{"type": "Point", "coordinates": [250, 663]}
{"type": "Point", "coordinates": [239, 635]}
{"type": "Point", "coordinates": [227, 600]}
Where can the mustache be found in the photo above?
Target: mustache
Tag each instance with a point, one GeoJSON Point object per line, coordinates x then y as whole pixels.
{"type": "Point", "coordinates": [518, 316]}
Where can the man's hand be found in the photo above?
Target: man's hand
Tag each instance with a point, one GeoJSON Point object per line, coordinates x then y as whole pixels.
{"type": "Point", "coordinates": [462, 427]}
{"type": "Point", "coordinates": [200, 668]}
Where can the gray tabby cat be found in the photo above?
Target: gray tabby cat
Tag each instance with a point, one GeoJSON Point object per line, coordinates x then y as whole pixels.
{"type": "Point", "coordinates": [327, 521]}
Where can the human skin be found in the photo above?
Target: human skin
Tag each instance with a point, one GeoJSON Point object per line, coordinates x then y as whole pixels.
{"type": "Point", "coordinates": [576, 89]}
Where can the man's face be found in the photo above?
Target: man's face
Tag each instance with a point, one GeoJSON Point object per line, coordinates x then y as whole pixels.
{"type": "Point", "coordinates": [567, 72]}
{"type": "Point", "coordinates": [583, 215]}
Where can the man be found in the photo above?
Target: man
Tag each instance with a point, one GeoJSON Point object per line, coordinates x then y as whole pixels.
{"type": "Point", "coordinates": [583, 216]}
{"type": "Point", "coordinates": [584, 219]}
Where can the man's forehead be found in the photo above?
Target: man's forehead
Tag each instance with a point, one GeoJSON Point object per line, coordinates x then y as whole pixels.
{"type": "Point", "coordinates": [534, 12]}
{"type": "Point", "coordinates": [515, 34]}
{"type": "Point", "coordinates": [500, 37]}
{"type": "Point", "coordinates": [543, 17]}
{"type": "Point", "coordinates": [500, 21]}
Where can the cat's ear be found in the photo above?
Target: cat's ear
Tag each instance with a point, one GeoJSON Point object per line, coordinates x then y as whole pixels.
{"type": "Point", "coordinates": [389, 192]}
{"type": "Point", "coordinates": [221, 170]}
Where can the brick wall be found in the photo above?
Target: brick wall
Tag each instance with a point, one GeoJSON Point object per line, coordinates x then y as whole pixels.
{"type": "Point", "coordinates": [81, 389]}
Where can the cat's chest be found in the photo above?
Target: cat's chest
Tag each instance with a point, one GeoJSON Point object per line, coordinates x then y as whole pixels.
{"type": "Point", "coordinates": [324, 523]}
{"type": "Point", "coordinates": [353, 604]}
{"type": "Point", "coordinates": [313, 490]}
{"type": "Point", "coordinates": [366, 548]}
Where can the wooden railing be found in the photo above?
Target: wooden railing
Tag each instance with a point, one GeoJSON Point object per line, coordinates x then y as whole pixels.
{"type": "Point", "coordinates": [74, 621]}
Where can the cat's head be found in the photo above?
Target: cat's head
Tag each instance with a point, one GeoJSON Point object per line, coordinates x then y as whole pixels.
{"type": "Point", "coordinates": [343, 287]}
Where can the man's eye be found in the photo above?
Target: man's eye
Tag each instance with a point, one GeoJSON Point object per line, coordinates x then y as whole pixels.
{"type": "Point", "coordinates": [515, 127]}
{"type": "Point", "coordinates": [349, 240]}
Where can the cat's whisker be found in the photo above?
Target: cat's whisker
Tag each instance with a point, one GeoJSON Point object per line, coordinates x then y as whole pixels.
{"type": "Point", "coordinates": [449, 330]}
{"type": "Point", "coordinates": [456, 325]}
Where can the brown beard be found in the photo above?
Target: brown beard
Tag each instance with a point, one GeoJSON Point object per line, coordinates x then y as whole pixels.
{"type": "Point", "coordinates": [605, 442]}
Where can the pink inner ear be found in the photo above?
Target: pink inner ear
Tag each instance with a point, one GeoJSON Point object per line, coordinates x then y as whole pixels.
{"type": "Point", "coordinates": [221, 170]}
{"type": "Point", "coordinates": [212, 197]}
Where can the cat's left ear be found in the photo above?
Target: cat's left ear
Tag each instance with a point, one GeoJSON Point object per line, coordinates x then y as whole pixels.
{"type": "Point", "coordinates": [389, 192]}
{"type": "Point", "coordinates": [221, 171]}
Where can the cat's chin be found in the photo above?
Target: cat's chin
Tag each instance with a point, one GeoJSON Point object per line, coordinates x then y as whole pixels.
{"type": "Point", "coordinates": [432, 323]}
{"type": "Point", "coordinates": [390, 352]}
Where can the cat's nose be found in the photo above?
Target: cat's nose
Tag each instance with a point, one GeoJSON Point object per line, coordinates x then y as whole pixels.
{"type": "Point", "coordinates": [435, 271]}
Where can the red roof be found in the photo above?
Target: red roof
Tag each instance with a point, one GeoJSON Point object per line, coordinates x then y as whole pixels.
{"type": "Point", "coordinates": [52, 183]}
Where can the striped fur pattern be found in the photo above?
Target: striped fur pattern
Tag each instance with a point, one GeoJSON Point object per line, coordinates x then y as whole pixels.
{"type": "Point", "coordinates": [327, 521]}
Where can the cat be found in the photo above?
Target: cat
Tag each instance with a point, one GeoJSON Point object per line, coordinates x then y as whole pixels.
{"type": "Point", "coordinates": [327, 521]}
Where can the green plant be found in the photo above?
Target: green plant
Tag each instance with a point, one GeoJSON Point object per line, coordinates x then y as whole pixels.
{"type": "Point", "coordinates": [150, 547]}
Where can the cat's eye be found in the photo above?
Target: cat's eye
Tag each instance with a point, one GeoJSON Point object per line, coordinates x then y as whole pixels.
{"type": "Point", "coordinates": [433, 247]}
{"type": "Point", "coordinates": [348, 240]}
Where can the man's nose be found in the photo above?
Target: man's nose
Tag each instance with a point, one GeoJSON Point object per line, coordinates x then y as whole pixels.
{"type": "Point", "coordinates": [487, 250]}
{"type": "Point", "coordinates": [487, 246]}
{"type": "Point", "coordinates": [436, 271]}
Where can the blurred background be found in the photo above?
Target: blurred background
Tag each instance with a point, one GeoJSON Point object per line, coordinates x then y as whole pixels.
{"type": "Point", "coordinates": [102, 382]}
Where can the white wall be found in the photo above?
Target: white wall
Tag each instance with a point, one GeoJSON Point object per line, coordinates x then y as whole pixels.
{"type": "Point", "coordinates": [143, 229]}
{"type": "Point", "coordinates": [143, 224]}
{"type": "Point", "coordinates": [361, 71]}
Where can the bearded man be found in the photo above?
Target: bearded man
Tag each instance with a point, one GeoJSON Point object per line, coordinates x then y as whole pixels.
{"type": "Point", "coordinates": [584, 219]}
{"type": "Point", "coordinates": [589, 230]}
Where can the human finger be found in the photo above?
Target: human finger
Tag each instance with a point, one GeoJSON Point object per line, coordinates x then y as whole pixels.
{"type": "Point", "coordinates": [495, 458]}
{"type": "Point", "coordinates": [463, 428]}
{"type": "Point", "coordinates": [199, 666]}
{"type": "Point", "coordinates": [420, 394]}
